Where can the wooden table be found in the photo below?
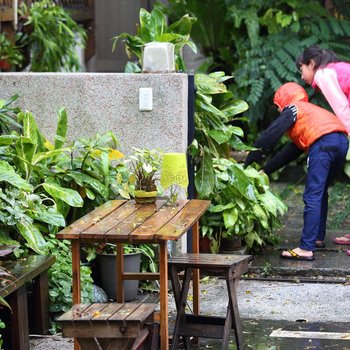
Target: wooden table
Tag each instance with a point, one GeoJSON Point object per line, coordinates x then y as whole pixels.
{"type": "Point", "coordinates": [32, 269]}
{"type": "Point", "coordinates": [121, 221]}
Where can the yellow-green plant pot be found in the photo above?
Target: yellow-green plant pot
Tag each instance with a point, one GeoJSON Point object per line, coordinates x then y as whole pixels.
{"type": "Point", "coordinates": [145, 196]}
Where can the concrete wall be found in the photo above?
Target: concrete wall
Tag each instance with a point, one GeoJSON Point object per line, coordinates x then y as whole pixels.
{"type": "Point", "coordinates": [98, 102]}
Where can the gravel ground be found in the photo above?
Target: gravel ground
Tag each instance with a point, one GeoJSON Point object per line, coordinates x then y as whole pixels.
{"type": "Point", "coordinates": [314, 302]}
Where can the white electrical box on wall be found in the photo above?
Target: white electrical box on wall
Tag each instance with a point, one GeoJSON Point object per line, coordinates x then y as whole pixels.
{"type": "Point", "coordinates": [145, 99]}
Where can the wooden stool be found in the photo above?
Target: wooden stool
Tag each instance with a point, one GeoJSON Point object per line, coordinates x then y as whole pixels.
{"type": "Point", "coordinates": [186, 325]}
{"type": "Point", "coordinates": [112, 326]}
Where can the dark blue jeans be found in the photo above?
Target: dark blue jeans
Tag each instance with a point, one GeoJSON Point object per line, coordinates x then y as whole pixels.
{"type": "Point", "coordinates": [325, 157]}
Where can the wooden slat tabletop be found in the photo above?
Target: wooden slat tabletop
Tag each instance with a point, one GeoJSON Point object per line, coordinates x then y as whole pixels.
{"type": "Point", "coordinates": [125, 221]}
{"type": "Point", "coordinates": [183, 220]}
{"type": "Point", "coordinates": [108, 312]}
{"type": "Point", "coordinates": [73, 231]}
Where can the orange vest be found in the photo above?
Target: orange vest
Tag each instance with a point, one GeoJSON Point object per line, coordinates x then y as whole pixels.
{"type": "Point", "coordinates": [312, 123]}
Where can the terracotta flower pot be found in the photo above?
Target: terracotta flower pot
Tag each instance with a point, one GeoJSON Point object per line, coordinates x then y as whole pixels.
{"type": "Point", "coordinates": [4, 65]}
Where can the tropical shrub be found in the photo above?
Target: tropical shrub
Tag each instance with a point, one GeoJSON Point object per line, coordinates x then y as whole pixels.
{"type": "Point", "coordinates": [252, 215]}
{"type": "Point", "coordinates": [45, 186]}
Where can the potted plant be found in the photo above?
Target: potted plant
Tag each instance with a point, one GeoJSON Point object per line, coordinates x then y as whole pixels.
{"type": "Point", "coordinates": [10, 54]}
{"type": "Point", "coordinates": [145, 165]}
{"type": "Point", "coordinates": [136, 259]}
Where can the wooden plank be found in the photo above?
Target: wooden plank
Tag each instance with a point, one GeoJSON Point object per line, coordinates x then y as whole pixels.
{"type": "Point", "coordinates": [121, 232]}
{"type": "Point", "coordinates": [76, 281]}
{"type": "Point", "coordinates": [6, 14]}
{"type": "Point", "coordinates": [142, 312]}
{"type": "Point", "coordinates": [73, 230]}
{"type": "Point", "coordinates": [41, 303]}
{"type": "Point", "coordinates": [123, 312]}
{"type": "Point", "coordinates": [74, 312]}
{"type": "Point", "coordinates": [110, 221]}
{"type": "Point", "coordinates": [106, 329]}
{"type": "Point", "coordinates": [109, 309]}
{"type": "Point", "coordinates": [150, 227]}
{"type": "Point", "coordinates": [19, 319]}
{"type": "Point", "coordinates": [209, 260]}
{"type": "Point", "coordinates": [163, 290]}
{"type": "Point", "coordinates": [91, 313]}
{"type": "Point", "coordinates": [176, 227]}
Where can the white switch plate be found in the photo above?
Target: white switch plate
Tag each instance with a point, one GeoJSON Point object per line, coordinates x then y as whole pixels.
{"type": "Point", "coordinates": [145, 99]}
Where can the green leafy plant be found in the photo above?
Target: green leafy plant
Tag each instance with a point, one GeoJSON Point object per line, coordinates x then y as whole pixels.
{"type": "Point", "coordinates": [23, 213]}
{"type": "Point", "coordinates": [215, 135]}
{"type": "Point", "coordinates": [45, 186]}
{"type": "Point", "coordinates": [145, 166]}
{"type": "Point", "coordinates": [252, 215]}
{"type": "Point", "coordinates": [60, 279]}
{"type": "Point", "coordinates": [153, 27]}
{"type": "Point", "coordinates": [52, 36]}
{"type": "Point", "coordinates": [10, 53]}
{"type": "Point", "coordinates": [8, 115]}
{"type": "Point", "coordinates": [258, 43]}
{"type": "Point", "coordinates": [82, 175]}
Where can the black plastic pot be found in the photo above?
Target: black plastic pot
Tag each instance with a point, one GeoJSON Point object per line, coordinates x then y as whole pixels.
{"type": "Point", "coordinates": [107, 268]}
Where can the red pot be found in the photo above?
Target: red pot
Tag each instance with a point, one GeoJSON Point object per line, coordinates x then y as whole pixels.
{"type": "Point", "coordinates": [4, 64]}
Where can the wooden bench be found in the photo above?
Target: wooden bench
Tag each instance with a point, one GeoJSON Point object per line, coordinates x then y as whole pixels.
{"type": "Point", "coordinates": [121, 326]}
{"type": "Point", "coordinates": [188, 325]}
{"type": "Point", "coordinates": [32, 269]}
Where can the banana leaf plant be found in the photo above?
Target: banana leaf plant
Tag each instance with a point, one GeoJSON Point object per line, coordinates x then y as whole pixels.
{"type": "Point", "coordinates": [153, 27]}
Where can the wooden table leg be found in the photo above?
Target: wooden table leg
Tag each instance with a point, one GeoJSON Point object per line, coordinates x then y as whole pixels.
{"type": "Point", "coordinates": [233, 306]}
{"type": "Point", "coordinates": [195, 249]}
{"type": "Point", "coordinates": [163, 269]}
{"type": "Point", "coordinates": [19, 319]}
{"type": "Point", "coordinates": [41, 303]}
{"type": "Point", "coordinates": [120, 272]}
{"type": "Point", "coordinates": [76, 278]}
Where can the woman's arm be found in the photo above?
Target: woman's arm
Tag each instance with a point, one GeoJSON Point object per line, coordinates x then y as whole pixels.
{"type": "Point", "coordinates": [327, 81]}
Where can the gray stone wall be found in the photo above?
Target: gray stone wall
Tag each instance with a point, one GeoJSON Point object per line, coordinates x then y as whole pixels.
{"type": "Point", "coordinates": [98, 102]}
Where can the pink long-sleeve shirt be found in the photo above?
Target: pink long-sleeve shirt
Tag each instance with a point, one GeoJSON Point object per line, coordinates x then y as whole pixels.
{"type": "Point", "coordinates": [334, 82]}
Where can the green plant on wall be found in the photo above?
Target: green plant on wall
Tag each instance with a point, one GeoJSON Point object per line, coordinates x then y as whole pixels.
{"type": "Point", "coordinates": [52, 36]}
{"type": "Point", "coordinates": [153, 27]}
{"type": "Point", "coordinates": [10, 53]}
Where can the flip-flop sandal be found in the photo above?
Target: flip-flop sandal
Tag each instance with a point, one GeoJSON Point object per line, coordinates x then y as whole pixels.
{"type": "Point", "coordinates": [342, 240]}
{"type": "Point", "coordinates": [348, 252]}
{"type": "Point", "coordinates": [320, 245]}
{"type": "Point", "coordinates": [347, 236]}
{"type": "Point", "coordinates": [294, 256]}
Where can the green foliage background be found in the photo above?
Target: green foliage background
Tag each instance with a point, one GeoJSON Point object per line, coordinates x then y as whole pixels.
{"type": "Point", "coordinates": [258, 42]}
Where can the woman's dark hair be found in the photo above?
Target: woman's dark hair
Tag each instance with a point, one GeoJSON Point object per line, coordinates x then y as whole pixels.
{"type": "Point", "coordinates": [320, 56]}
